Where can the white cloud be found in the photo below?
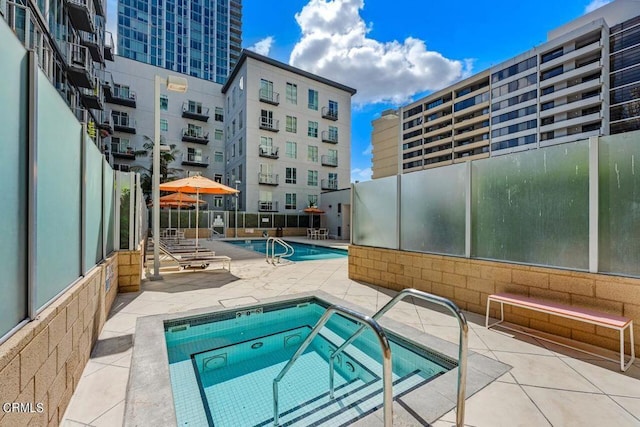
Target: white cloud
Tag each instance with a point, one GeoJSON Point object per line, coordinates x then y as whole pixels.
{"type": "Point", "coordinates": [358, 174]}
{"type": "Point", "coordinates": [595, 4]}
{"type": "Point", "coordinates": [263, 46]}
{"type": "Point", "coordinates": [368, 150]}
{"type": "Point", "coordinates": [334, 44]}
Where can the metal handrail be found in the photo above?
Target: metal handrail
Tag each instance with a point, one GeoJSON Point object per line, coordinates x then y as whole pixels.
{"type": "Point", "coordinates": [273, 240]}
{"type": "Point", "coordinates": [462, 351]}
{"type": "Point", "coordinates": [366, 321]}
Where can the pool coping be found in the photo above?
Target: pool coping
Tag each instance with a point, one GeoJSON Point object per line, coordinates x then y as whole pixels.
{"type": "Point", "coordinates": [149, 397]}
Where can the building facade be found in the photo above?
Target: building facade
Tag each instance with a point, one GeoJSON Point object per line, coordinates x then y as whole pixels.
{"type": "Point", "coordinates": [584, 81]}
{"type": "Point", "coordinates": [287, 135]}
{"type": "Point", "coordinates": [200, 38]}
{"type": "Point", "coordinates": [385, 151]}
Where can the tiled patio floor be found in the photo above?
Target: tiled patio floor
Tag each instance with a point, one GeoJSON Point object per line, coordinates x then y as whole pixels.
{"type": "Point", "coordinates": [548, 385]}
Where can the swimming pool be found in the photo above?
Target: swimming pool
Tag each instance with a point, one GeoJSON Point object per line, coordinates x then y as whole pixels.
{"type": "Point", "coordinates": [303, 251]}
{"type": "Point", "coordinates": [222, 367]}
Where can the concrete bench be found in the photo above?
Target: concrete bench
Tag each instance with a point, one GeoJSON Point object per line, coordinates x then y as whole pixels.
{"type": "Point", "coordinates": [586, 315]}
{"type": "Point", "coordinates": [203, 261]}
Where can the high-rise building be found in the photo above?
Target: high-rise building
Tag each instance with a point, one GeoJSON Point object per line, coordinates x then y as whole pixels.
{"type": "Point", "coordinates": [584, 81]}
{"type": "Point", "coordinates": [201, 38]}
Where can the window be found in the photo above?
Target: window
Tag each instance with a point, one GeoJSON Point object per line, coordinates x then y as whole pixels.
{"type": "Point", "coordinates": [217, 178]}
{"type": "Point", "coordinates": [292, 124]}
{"type": "Point", "coordinates": [333, 108]}
{"type": "Point", "coordinates": [121, 145]}
{"type": "Point", "coordinates": [292, 93]}
{"type": "Point", "coordinates": [240, 146]}
{"type": "Point", "coordinates": [333, 133]}
{"type": "Point", "coordinates": [218, 157]}
{"type": "Point", "coordinates": [312, 200]}
{"type": "Point", "coordinates": [219, 115]}
{"type": "Point", "coordinates": [240, 121]}
{"type": "Point", "coordinates": [266, 145]}
{"type": "Point", "coordinates": [333, 155]}
{"type": "Point", "coordinates": [312, 178]}
{"type": "Point", "coordinates": [195, 107]}
{"type": "Point", "coordinates": [266, 118]}
{"type": "Point", "coordinates": [312, 129]}
{"type": "Point", "coordinates": [164, 125]}
{"type": "Point", "coordinates": [121, 91]}
{"type": "Point", "coordinates": [194, 154]}
{"type": "Point", "coordinates": [290, 201]}
{"type": "Point", "coordinates": [164, 102]}
{"type": "Point", "coordinates": [313, 99]}
{"type": "Point", "coordinates": [240, 178]}
{"type": "Point", "coordinates": [291, 149]}
{"type": "Point", "coordinates": [218, 134]}
{"type": "Point", "coordinates": [120, 118]}
{"type": "Point", "coordinates": [312, 153]}
{"type": "Point", "coordinates": [233, 127]}
{"type": "Point", "coordinates": [266, 90]}
{"type": "Point", "coordinates": [290, 176]}
{"type": "Point", "coordinates": [217, 201]}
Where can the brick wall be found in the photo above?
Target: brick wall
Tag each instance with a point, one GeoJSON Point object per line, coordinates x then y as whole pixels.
{"type": "Point", "coordinates": [43, 361]}
{"type": "Point", "coordinates": [130, 270]}
{"type": "Point", "coordinates": [468, 282]}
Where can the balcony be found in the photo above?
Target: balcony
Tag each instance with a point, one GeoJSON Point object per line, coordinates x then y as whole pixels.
{"type": "Point", "coordinates": [268, 179]}
{"type": "Point", "coordinates": [331, 161]}
{"type": "Point", "coordinates": [114, 94]}
{"type": "Point", "coordinates": [91, 42]}
{"type": "Point", "coordinates": [267, 151]}
{"type": "Point", "coordinates": [106, 122]}
{"type": "Point", "coordinates": [126, 125]}
{"type": "Point", "coordinates": [329, 184]}
{"type": "Point", "coordinates": [269, 96]}
{"type": "Point", "coordinates": [197, 137]}
{"type": "Point", "coordinates": [79, 66]}
{"type": "Point", "coordinates": [330, 137]}
{"type": "Point", "coordinates": [99, 7]}
{"type": "Point", "coordinates": [92, 98]}
{"type": "Point", "coordinates": [109, 47]}
{"type": "Point", "coordinates": [121, 150]}
{"type": "Point", "coordinates": [330, 113]}
{"type": "Point", "coordinates": [267, 206]}
{"type": "Point", "coordinates": [192, 159]}
{"type": "Point", "coordinates": [81, 13]}
{"type": "Point", "coordinates": [195, 112]}
{"type": "Point", "coordinates": [269, 124]}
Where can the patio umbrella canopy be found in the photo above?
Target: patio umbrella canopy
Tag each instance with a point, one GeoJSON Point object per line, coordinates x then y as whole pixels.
{"type": "Point", "coordinates": [199, 185]}
{"type": "Point", "coordinates": [313, 211]}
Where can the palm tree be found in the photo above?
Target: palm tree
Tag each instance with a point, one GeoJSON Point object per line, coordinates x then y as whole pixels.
{"type": "Point", "coordinates": [166, 157]}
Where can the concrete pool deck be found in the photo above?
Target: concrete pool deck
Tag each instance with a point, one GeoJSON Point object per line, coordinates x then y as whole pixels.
{"type": "Point", "coordinates": [548, 385]}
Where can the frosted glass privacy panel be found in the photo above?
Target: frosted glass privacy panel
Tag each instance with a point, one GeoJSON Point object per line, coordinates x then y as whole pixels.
{"type": "Point", "coordinates": [375, 213]}
{"type": "Point", "coordinates": [432, 210]}
{"type": "Point", "coordinates": [58, 194]}
{"type": "Point", "coordinates": [93, 204]}
{"type": "Point", "coordinates": [619, 210]}
{"type": "Point", "coordinates": [13, 175]}
{"type": "Point", "coordinates": [533, 207]}
{"type": "Point", "coordinates": [109, 213]}
{"type": "Point", "coordinates": [124, 193]}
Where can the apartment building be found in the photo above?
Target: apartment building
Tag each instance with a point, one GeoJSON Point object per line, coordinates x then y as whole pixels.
{"type": "Point", "coordinates": [201, 38]}
{"type": "Point", "coordinates": [385, 151]}
{"type": "Point", "coordinates": [72, 47]}
{"type": "Point", "coordinates": [584, 81]}
{"type": "Point", "coordinates": [287, 135]}
{"type": "Point", "coordinates": [192, 121]}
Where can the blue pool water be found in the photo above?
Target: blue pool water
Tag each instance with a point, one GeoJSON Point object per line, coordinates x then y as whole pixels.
{"type": "Point", "coordinates": [303, 251]}
{"type": "Point", "coordinates": [222, 367]}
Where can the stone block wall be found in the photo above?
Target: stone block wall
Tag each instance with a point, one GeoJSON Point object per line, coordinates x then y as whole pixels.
{"type": "Point", "coordinates": [130, 270]}
{"type": "Point", "coordinates": [468, 282]}
{"type": "Point", "coordinates": [41, 364]}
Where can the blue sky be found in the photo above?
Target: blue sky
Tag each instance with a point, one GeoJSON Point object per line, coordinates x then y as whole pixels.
{"type": "Point", "coordinates": [393, 52]}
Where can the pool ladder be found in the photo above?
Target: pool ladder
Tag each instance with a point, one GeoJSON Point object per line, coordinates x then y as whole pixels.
{"type": "Point", "coordinates": [370, 322]}
{"type": "Point", "coordinates": [270, 251]}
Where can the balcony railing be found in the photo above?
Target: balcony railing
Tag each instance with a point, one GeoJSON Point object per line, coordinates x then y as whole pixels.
{"type": "Point", "coordinates": [195, 112]}
{"type": "Point", "coordinates": [90, 40]}
{"type": "Point", "coordinates": [268, 151]}
{"type": "Point", "coordinates": [122, 150]}
{"type": "Point", "coordinates": [109, 47]}
{"type": "Point", "coordinates": [192, 159]}
{"type": "Point", "coordinates": [119, 96]}
{"type": "Point", "coordinates": [329, 161]}
{"type": "Point", "coordinates": [330, 113]}
{"type": "Point", "coordinates": [106, 122]}
{"type": "Point", "coordinates": [330, 137]}
{"type": "Point", "coordinates": [329, 184]}
{"type": "Point", "coordinates": [124, 124]}
{"type": "Point", "coordinates": [269, 124]}
{"type": "Point", "coordinates": [268, 179]}
{"type": "Point", "coordinates": [92, 98]}
{"type": "Point", "coordinates": [192, 135]}
{"type": "Point", "coordinates": [269, 96]}
{"type": "Point", "coordinates": [81, 13]}
{"type": "Point", "coordinates": [267, 206]}
{"type": "Point", "coordinates": [79, 66]}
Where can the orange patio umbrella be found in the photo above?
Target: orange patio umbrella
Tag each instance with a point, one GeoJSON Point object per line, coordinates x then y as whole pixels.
{"type": "Point", "coordinates": [199, 185]}
{"type": "Point", "coordinates": [313, 210]}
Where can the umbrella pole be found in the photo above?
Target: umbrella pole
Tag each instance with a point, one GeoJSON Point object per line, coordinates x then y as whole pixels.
{"type": "Point", "coordinates": [197, 209]}
{"type": "Point", "coordinates": [178, 217]}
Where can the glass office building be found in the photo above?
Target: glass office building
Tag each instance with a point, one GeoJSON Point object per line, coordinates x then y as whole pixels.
{"type": "Point", "coordinates": [201, 38]}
